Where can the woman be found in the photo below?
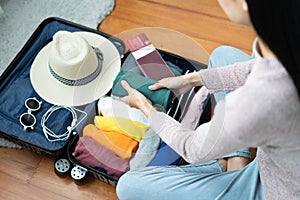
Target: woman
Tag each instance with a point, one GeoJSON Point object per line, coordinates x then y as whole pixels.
{"type": "Point", "coordinates": [263, 112]}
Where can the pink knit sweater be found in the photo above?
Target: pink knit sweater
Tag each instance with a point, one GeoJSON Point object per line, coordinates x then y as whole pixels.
{"type": "Point", "coordinates": [263, 111]}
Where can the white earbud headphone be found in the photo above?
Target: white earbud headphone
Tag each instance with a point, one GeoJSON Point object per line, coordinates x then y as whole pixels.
{"type": "Point", "coordinates": [49, 134]}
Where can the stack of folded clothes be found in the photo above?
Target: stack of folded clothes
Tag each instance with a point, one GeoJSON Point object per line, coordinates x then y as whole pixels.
{"type": "Point", "coordinates": [120, 139]}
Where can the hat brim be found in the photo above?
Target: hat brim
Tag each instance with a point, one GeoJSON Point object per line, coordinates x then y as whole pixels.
{"type": "Point", "coordinates": [55, 92]}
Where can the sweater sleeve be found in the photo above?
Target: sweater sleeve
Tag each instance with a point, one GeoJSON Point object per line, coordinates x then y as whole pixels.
{"type": "Point", "coordinates": [226, 78]}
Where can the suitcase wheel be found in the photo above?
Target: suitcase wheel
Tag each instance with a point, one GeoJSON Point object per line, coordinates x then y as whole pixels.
{"type": "Point", "coordinates": [62, 167]}
{"type": "Point", "coordinates": [79, 175]}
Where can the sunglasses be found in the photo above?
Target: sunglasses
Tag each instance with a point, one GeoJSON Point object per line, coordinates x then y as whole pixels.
{"type": "Point", "coordinates": [27, 119]}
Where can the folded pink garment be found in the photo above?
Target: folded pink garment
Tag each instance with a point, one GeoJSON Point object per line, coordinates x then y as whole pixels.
{"type": "Point", "coordinates": [91, 153]}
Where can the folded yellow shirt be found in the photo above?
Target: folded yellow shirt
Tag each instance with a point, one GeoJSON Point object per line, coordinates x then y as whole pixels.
{"type": "Point", "coordinates": [133, 129]}
{"type": "Point", "coordinates": [120, 144]}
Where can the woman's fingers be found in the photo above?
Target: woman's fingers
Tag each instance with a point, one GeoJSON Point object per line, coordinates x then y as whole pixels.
{"type": "Point", "coordinates": [129, 89]}
{"type": "Point", "coordinates": [136, 99]}
{"type": "Point", "coordinates": [163, 83]}
{"type": "Point", "coordinates": [126, 86]}
{"type": "Point", "coordinates": [156, 86]}
{"type": "Point", "coordinates": [133, 96]}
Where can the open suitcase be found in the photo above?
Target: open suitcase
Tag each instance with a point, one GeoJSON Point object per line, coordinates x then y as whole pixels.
{"type": "Point", "coordinates": [15, 88]}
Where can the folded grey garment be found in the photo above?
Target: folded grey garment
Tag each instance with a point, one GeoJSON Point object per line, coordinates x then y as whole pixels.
{"type": "Point", "coordinates": [148, 148]}
{"type": "Point", "coordinates": [130, 65]}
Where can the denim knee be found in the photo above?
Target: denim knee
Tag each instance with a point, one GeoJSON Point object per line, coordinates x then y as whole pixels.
{"type": "Point", "coordinates": [226, 55]}
{"type": "Point", "coordinates": [122, 189]}
{"type": "Point", "coordinates": [130, 186]}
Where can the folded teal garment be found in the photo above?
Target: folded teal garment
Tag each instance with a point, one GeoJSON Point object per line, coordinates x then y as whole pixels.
{"type": "Point", "coordinates": [175, 69]}
{"type": "Point", "coordinates": [162, 97]}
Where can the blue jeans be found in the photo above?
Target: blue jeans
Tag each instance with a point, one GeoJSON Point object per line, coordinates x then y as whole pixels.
{"type": "Point", "coordinates": [194, 181]}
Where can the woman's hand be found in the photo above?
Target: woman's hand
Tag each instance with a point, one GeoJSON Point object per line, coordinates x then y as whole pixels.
{"type": "Point", "coordinates": [136, 99]}
{"type": "Point", "coordinates": [179, 84]}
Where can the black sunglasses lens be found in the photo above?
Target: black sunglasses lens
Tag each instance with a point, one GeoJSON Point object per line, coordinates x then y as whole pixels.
{"type": "Point", "coordinates": [32, 104]}
{"type": "Point", "coordinates": [27, 119]}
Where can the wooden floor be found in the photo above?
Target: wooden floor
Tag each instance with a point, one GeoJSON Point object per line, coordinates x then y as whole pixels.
{"type": "Point", "coordinates": [202, 20]}
{"type": "Point", "coordinates": [26, 175]}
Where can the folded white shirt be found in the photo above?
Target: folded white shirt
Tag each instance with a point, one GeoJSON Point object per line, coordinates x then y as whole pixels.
{"type": "Point", "coordinates": [107, 106]}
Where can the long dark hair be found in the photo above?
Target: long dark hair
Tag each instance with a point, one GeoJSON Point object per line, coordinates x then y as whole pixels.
{"type": "Point", "coordinates": [277, 22]}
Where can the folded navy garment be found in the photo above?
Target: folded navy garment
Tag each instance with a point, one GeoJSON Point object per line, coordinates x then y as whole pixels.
{"type": "Point", "coordinates": [162, 97]}
{"type": "Point", "coordinates": [165, 156]}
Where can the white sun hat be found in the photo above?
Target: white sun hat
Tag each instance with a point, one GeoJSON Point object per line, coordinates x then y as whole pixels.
{"type": "Point", "coordinates": [75, 68]}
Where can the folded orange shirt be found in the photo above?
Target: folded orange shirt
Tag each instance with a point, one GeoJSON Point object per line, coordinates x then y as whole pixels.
{"type": "Point", "coordinates": [120, 144]}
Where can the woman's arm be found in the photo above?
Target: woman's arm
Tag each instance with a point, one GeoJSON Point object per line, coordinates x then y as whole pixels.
{"type": "Point", "coordinates": [226, 78]}
{"type": "Point", "coordinates": [179, 84]}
